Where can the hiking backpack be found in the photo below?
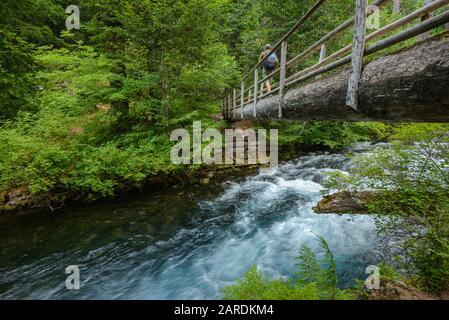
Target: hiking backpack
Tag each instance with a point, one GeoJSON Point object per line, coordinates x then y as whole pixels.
{"type": "Point", "coordinates": [270, 62]}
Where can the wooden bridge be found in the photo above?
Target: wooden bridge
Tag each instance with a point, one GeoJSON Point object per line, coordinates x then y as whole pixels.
{"type": "Point", "coordinates": [409, 85]}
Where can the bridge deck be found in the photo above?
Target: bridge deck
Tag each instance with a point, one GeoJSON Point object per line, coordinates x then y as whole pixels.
{"type": "Point", "coordinates": [411, 85]}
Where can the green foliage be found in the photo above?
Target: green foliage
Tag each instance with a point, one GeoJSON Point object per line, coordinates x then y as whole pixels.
{"type": "Point", "coordinates": [90, 110]}
{"type": "Point", "coordinates": [254, 286]}
{"type": "Point", "coordinates": [70, 143]}
{"type": "Point", "coordinates": [107, 95]}
{"type": "Point", "coordinates": [23, 25]}
{"type": "Point", "coordinates": [328, 134]}
{"type": "Point", "coordinates": [322, 273]}
{"type": "Point", "coordinates": [411, 183]}
{"type": "Point", "coordinates": [315, 280]}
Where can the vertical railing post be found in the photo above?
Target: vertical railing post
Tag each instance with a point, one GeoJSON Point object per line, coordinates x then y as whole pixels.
{"type": "Point", "coordinates": [229, 105]}
{"type": "Point", "coordinates": [242, 98]}
{"type": "Point", "coordinates": [358, 48]}
{"type": "Point", "coordinates": [322, 52]}
{"type": "Point", "coordinates": [321, 58]}
{"type": "Point", "coordinates": [256, 85]}
{"type": "Point", "coordinates": [396, 6]}
{"type": "Point", "coordinates": [282, 77]}
{"type": "Point", "coordinates": [234, 103]}
{"type": "Point", "coordinates": [222, 108]}
{"type": "Point", "coordinates": [426, 35]}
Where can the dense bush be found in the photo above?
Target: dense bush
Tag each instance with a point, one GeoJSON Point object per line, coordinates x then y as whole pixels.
{"type": "Point", "coordinates": [411, 181]}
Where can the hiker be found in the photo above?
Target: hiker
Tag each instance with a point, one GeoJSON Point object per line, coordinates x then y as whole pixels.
{"type": "Point", "coordinates": [269, 65]}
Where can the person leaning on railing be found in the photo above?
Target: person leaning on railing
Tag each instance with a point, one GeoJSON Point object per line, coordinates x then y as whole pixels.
{"type": "Point", "coordinates": [269, 65]}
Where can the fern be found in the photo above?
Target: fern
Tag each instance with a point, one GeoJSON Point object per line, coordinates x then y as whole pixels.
{"type": "Point", "coordinates": [315, 280]}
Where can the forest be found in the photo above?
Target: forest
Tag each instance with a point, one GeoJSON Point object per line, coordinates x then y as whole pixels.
{"type": "Point", "coordinates": [86, 116]}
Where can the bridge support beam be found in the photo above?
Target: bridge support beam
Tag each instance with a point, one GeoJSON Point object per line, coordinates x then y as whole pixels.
{"type": "Point", "coordinates": [411, 85]}
{"type": "Point", "coordinates": [358, 48]}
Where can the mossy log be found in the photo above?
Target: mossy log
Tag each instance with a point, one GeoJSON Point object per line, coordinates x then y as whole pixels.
{"type": "Point", "coordinates": [410, 85]}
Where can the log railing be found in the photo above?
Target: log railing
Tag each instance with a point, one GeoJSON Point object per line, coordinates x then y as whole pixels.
{"type": "Point", "coordinates": [249, 91]}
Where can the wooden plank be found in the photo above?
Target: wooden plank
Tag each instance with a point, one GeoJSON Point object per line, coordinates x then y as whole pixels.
{"type": "Point", "coordinates": [272, 92]}
{"type": "Point", "coordinates": [358, 49]}
{"type": "Point", "coordinates": [256, 81]}
{"type": "Point", "coordinates": [313, 48]}
{"type": "Point", "coordinates": [295, 28]}
{"type": "Point", "coordinates": [392, 26]}
{"type": "Point", "coordinates": [380, 45]}
{"type": "Point", "coordinates": [242, 98]}
{"type": "Point", "coordinates": [283, 74]}
{"type": "Point", "coordinates": [330, 36]}
{"type": "Point", "coordinates": [426, 35]}
{"type": "Point", "coordinates": [389, 90]}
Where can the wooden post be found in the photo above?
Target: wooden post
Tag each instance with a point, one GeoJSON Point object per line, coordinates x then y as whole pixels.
{"type": "Point", "coordinates": [242, 98]}
{"type": "Point", "coordinates": [234, 103]}
{"type": "Point", "coordinates": [322, 57]}
{"type": "Point", "coordinates": [396, 6]}
{"type": "Point", "coordinates": [426, 35]}
{"type": "Point", "coordinates": [358, 48]}
{"type": "Point", "coordinates": [323, 52]}
{"type": "Point", "coordinates": [256, 84]}
{"type": "Point", "coordinates": [229, 105]}
{"type": "Point", "coordinates": [283, 73]}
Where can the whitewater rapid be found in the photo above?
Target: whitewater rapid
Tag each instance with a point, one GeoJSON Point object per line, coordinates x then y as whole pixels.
{"type": "Point", "coordinates": [191, 246]}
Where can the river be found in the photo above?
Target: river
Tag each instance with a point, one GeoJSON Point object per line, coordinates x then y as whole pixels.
{"type": "Point", "coordinates": [184, 243]}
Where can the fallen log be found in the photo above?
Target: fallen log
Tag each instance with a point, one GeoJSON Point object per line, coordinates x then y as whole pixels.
{"type": "Point", "coordinates": [411, 85]}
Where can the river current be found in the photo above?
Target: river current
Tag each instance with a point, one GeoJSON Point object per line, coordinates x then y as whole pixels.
{"type": "Point", "coordinates": [185, 243]}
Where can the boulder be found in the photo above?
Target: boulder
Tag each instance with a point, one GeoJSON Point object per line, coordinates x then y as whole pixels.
{"type": "Point", "coordinates": [344, 202]}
